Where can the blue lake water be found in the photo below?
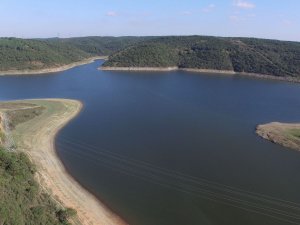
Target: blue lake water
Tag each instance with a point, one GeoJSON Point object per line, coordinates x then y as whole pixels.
{"type": "Point", "coordinates": [176, 148]}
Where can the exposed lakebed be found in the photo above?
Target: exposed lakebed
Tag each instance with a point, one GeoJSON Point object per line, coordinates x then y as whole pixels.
{"type": "Point", "coordinates": [176, 148]}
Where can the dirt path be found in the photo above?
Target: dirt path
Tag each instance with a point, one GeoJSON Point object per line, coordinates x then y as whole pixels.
{"type": "Point", "coordinates": [36, 137]}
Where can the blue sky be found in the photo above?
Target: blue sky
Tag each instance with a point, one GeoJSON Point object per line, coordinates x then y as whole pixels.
{"type": "Point", "coordinates": [276, 19]}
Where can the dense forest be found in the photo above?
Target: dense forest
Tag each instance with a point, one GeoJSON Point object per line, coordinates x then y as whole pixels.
{"type": "Point", "coordinates": [36, 54]}
{"type": "Point", "coordinates": [261, 56]}
{"type": "Point", "coordinates": [102, 46]}
{"type": "Point", "coordinates": [20, 54]}
{"type": "Point", "coordinates": [250, 55]}
{"type": "Point", "coordinates": [22, 201]}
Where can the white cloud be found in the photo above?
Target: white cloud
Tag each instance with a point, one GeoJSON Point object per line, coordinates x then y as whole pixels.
{"type": "Point", "coordinates": [186, 13]}
{"type": "Point", "coordinates": [252, 15]}
{"type": "Point", "coordinates": [286, 23]}
{"type": "Point", "coordinates": [238, 17]}
{"type": "Point", "coordinates": [234, 18]}
{"type": "Point", "coordinates": [244, 4]}
{"type": "Point", "coordinates": [209, 8]}
{"type": "Point", "coordinates": [111, 13]}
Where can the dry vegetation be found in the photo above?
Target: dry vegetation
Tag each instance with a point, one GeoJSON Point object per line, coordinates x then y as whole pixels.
{"type": "Point", "coordinates": [287, 135]}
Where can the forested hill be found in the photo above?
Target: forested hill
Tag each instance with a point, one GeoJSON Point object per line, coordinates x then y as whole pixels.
{"type": "Point", "coordinates": [20, 54]}
{"type": "Point", "coordinates": [261, 56]}
{"type": "Point", "coordinates": [102, 46]}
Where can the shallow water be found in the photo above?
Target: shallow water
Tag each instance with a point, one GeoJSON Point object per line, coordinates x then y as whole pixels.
{"type": "Point", "coordinates": [176, 148]}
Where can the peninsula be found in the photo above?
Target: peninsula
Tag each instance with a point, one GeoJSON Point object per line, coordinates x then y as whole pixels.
{"type": "Point", "coordinates": [285, 134]}
{"type": "Point", "coordinates": [30, 126]}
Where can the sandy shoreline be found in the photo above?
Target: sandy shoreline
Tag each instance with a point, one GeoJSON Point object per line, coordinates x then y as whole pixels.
{"type": "Point", "coordinates": [51, 70]}
{"type": "Point", "coordinates": [163, 69]}
{"type": "Point", "coordinates": [285, 134]}
{"type": "Point", "coordinates": [195, 70]}
{"type": "Point", "coordinates": [36, 138]}
{"type": "Point", "coordinates": [151, 69]}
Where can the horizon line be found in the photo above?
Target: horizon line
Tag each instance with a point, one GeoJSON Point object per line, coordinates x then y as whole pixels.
{"type": "Point", "coordinates": [140, 36]}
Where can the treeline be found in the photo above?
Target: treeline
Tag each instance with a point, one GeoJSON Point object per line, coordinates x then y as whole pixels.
{"type": "Point", "coordinates": [20, 54]}
{"type": "Point", "coordinates": [102, 46]}
{"type": "Point", "coordinates": [261, 56]}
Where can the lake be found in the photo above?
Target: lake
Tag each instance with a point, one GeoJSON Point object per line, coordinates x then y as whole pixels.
{"type": "Point", "coordinates": [176, 148]}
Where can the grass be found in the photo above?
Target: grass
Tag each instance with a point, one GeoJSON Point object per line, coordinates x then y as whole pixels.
{"type": "Point", "coordinates": [294, 132]}
{"type": "Point", "coordinates": [2, 137]}
{"type": "Point", "coordinates": [18, 112]}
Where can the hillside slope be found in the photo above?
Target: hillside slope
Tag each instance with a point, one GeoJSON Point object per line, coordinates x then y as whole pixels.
{"type": "Point", "coordinates": [20, 54]}
{"type": "Point", "coordinates": [102, 46]}
{"type": "Point", "coordinates": [249, 55]}
{"type": "Point", "coordinates": [37, 54]}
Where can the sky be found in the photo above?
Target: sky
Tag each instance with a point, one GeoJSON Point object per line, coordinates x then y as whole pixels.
{"type": "Point", "coordinates": [274, 19]}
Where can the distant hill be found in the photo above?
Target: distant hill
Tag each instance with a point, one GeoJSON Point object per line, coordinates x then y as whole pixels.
{"type": "Point", "coordinates": [250, 55]}
{"type": "Point", "coordinates": [102, 46]}
{"type": "Point", "coordinates": [34, 54]}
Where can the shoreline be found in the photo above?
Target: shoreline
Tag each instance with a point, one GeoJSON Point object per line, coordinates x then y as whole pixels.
{"type": "Point", "coordinates": [36, 138]}
{"type": "Point", "coordinates": [150, 69]}
{"type": "Point", "coordinates": [51, 70]}
{"type": "Point", "coordinates": [284, 134]}
{"type": "Point", "coordinates": [195, 70]}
